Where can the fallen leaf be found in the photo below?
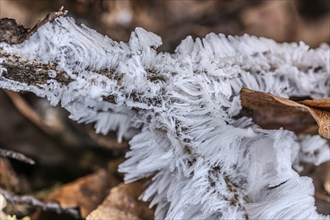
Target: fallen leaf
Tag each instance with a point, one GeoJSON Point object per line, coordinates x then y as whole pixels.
{"type": "Point", "coordinates": [320, 103]}
{"type": "Point", "coordinates": [122, 203]}
{"type": "Point", "coordinates": [319, 110]}
{"type": "Point", "coordinates": [271, 112]}
{"type": "Point", "coordinates": [86, 192]}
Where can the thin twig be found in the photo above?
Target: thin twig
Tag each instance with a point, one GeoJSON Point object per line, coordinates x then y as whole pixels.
{"type": "Point", "coordinates": [46, 206]}
{"type": "Point", "coordinates": [15, 155]}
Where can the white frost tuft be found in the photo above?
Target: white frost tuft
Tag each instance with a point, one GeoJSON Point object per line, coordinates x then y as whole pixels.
{"type": "Point", "coordinates": [178, 110]}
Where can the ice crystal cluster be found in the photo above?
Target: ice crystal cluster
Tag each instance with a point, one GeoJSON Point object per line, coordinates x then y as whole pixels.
{"type": "Point", "coordinates": [178, 112]}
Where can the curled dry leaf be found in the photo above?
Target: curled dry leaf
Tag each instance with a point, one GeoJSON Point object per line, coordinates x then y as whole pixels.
{"type": "Point", "coordinates": [122, 203]}
{"type": "Point", "coordinates": [319, 110]}
{"type": "Point", "coordinates": [270, 112]}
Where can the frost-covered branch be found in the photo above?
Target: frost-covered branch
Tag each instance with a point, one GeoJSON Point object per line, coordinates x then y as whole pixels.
{"type": "Point", "coordinates": [178, 110]}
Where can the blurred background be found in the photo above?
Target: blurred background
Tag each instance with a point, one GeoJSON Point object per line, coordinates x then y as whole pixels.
{"type": "Point", "coordinates": [173, 20]}
{"type": "Point", "coordinates": [69, 153]}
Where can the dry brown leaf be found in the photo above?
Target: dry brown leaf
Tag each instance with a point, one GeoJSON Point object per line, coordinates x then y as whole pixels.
{"type": "Point", "coordinates": [122, 203]}
{"type": "Point", "coordinates": [270, 112]}
{"type": "Point", "coordinates": [320, 103]}
{"type": "Point", "coordinates": [86, 192]}
{"type": "Point", "coordinates": [319, 110]}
